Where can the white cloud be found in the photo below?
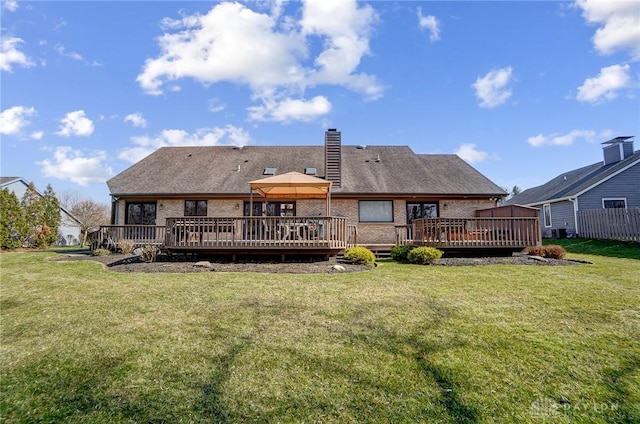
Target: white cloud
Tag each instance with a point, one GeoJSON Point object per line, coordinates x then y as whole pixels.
{"type": "Point", "coordinates": [493, 89]}
{"type": "Point", "coordinates": [230, 43]}
{"type": "Point", "coordinates": [10, 5]}
{"type": "Point", "coordinates": [562, 139]}
{"type": "Point", "coordinates": [215, 105]}
{"type": "Point", "coordinates": [12, 120]}
{"type": "Point", "coordinates": [268, 53]}
{"type": "Point", "coordinates": [430, 23]}
{"type": "Point", "coordinates": [62, 51]}
{"type": "Point", "coordinates": [344, 28]}
{"type": "Point", "coordinates": [620, 25]}
{"type": "Point", "coordinates": [37, 135]}
{"type": "Point", "coordinates": [469, 153]}
{"type": "Point", "coordinates": [291, 110]}
{"type": "Point", "coordinates": [10, 55]}
{"type": "Point", "coordinates": [136, 119]}
{"type": "Point", "coordinates": [75, 123]}
{"type": "Point", "coordinates": [72, 165]}
{"type": "Point", "coordinates": [145, 145]}
{"type": "Point", "coordinates": [605, 85]}
{"type": "Point", "coordinates": [71, 55]}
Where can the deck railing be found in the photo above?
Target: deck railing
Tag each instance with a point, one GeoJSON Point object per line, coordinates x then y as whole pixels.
{"type": "Point", "coordinates": [472, 232]}
{"type": "Point", "coordinates": [256, 232]}
{"type": "Point", "coordinates": [109, 236]}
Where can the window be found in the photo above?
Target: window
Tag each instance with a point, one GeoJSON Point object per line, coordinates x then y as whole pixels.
{"type": "Point", "coordinates": [375, 211]}
{"type": "Point", "coordinates": [195, 208]}
{"type": "Point", "coordinates": [271, 208]}
{"type": "Point", "coordinates": [269, 171]}
{"type": "Point", "coordinates": [417, 210]}
{"type": "Point", "coordinates": [141, 213]}
{"type": "Point", "coordinates": [546, 212]}
{"type": "Point", "coordinates": [310, 171]}
{"type": "Point", "coordinates": [619, 203]}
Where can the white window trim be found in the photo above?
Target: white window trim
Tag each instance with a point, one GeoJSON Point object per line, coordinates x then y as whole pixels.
{"type": "Point", "coordinates": [544, 214]}
{"type": "Point", "coordinates": [614, 198]}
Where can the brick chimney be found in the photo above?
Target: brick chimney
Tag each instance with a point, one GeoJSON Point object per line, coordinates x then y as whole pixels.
{"type": "Point", "coordinates": [617, 149]}
{"type": "Point", "coordinates": [333, 156]}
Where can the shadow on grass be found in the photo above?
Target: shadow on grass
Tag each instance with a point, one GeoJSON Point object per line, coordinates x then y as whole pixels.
{"type": "Point", "coordinates": [59, 389]}
{"type": "Point", "coordinates": [620, 382]}
{"type": "Point", "coordinates": [610, 248]}
{"type": "Point", "coordinates": [211, 404]}
{"type": "Point", "coordinates": [370, 332]}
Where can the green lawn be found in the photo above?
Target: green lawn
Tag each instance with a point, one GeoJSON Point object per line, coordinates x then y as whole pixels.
{"type": "Point", "coordinates": [398, 344]}
{"type": "Point", "coordinates": [613, 248]}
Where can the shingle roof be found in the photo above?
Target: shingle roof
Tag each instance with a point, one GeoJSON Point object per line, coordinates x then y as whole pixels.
{"type": "Point", "coordinates": [571, 183]}
{"type": "Point", "coordinates": [6, 180]}
{"type": "Point", "coordinates": [227, 170]}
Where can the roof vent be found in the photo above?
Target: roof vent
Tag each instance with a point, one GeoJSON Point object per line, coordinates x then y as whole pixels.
{"type": "Point", "coordinates": [269, 171]}
{"type": "Point", "coordinates": [378, 158]}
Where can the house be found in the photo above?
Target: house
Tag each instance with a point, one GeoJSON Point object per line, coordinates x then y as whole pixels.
{"type": "Point", "coordinates": [68, 231]}
{"type": "Point", "coordinates": [612, 183]}
{"type": "Point", "coordinates": [373, 188]}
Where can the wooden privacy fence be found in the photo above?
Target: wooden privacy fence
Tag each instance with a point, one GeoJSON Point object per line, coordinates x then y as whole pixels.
{"type": "Point", "coordinates": [610, 223]}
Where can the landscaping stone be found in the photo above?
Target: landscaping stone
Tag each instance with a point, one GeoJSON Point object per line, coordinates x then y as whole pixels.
{"type": "Point", "coordinates": [538, 258]}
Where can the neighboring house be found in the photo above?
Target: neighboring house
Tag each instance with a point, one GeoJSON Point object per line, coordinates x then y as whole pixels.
{"type": "Point", "coordinates": [373, 187]}
{"type": "Point", "coordinates": [68, 230]}
{"type": "Point", "coordinates": [612, 183]}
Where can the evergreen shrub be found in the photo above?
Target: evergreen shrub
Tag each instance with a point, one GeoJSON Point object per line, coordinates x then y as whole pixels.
{"type": "Point", "coordinates": [360, 255]}
{"type": "Point", "coordinates": [423, 255]}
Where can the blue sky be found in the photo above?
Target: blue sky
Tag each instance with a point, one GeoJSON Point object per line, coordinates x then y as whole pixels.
{"type": "Point", "coordinates": [521, 90]}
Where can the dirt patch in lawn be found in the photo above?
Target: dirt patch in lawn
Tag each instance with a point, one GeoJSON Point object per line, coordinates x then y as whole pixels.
{"type": "Point", "coordinates": [132, 263]}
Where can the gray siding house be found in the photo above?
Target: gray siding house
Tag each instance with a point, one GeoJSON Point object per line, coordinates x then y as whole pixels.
{"type": "Point", "coordinates": [68, 231]}
{"type": "Point", "coordinates": [612, 183]}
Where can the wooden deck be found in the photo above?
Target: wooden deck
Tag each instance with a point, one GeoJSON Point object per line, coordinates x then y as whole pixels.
{"type": "Point", "coordinates": [305, 235]}
{"type": "Point", "coordinates": [315, 235]}
{"type": "Point", "coordinates": [471, 233]}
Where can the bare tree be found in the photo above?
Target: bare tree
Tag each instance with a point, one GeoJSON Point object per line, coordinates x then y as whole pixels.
{"type": "Point", "coordinates": [68, 198]}
{"type": "Point", "coordinates": [90, 214]}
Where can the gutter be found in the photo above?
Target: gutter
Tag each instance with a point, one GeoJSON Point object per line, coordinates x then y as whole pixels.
{"type": "Point", "coordinates": [559, 199]}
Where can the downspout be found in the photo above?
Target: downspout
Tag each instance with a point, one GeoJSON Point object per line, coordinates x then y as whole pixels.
{"type": "Point", "coordinates": [574, 200]}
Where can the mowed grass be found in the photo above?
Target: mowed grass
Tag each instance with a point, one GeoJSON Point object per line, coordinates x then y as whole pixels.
{"type": "Point", "coordinates": [613, 248]}
{"type": "Point", "coordinates": [400, 343]}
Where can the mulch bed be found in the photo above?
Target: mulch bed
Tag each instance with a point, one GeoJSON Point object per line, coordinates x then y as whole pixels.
{"type": "Point", "coordinates": [131, 263]}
